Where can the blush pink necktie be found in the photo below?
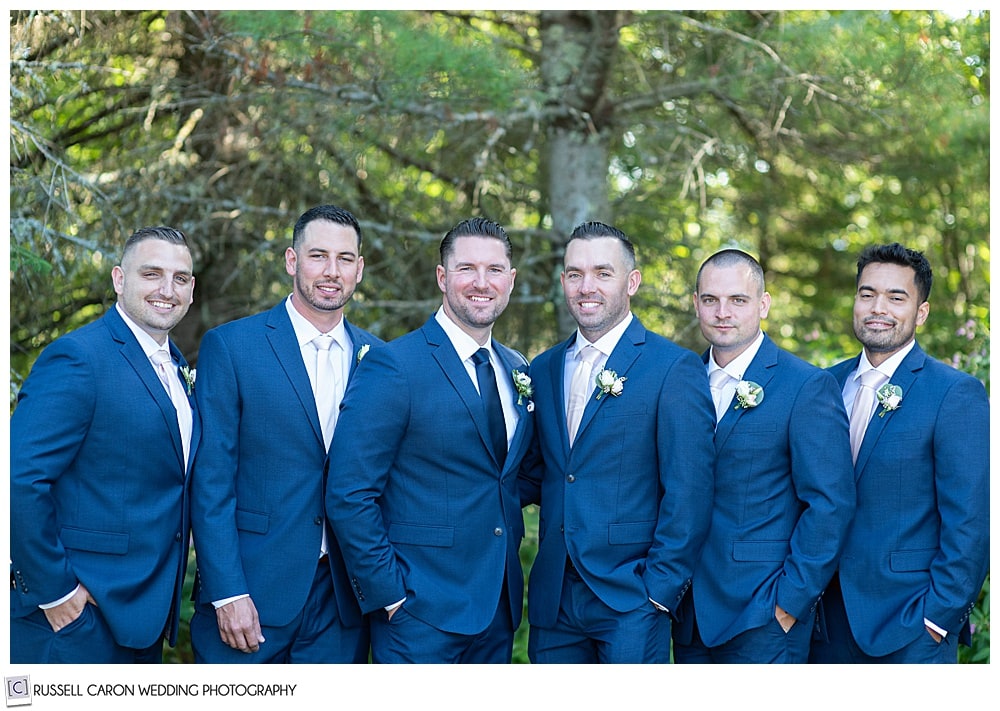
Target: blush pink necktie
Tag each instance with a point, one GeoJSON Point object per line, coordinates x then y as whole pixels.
{"type": "Point", "coordinates": [861, 412]}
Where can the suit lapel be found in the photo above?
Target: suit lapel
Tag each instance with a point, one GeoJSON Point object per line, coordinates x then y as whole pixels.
{"type": "Point", "coordinates": [904, 377]}
{"type": "Point", "coordinates": [281, 337]}
{"type": "Point", "coordinates": [556, 381]}
{"type": "Point", "coordinates": [357, 343]}
{"type": "Point", "coordinates": [620, 360]}
{"type": "Point", "coordinates": [509, 366]}
{"type": "Point", "coordinates": [136, 357]}
{"type": "Point", "coordinates": [454, 371]}
{"type": "Point", "coordinates": [761, 370]}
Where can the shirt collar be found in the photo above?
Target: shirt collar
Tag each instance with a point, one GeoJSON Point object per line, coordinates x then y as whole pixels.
{"type": "Point", "coordinates": [606, 343]}
{"type": "Point", "coordinates": [146, 342]}
{"type": "Point", "coordinates": [464, 344]}
{"type": "Point", "coordinates": [305, 332]}
{"type": "Point", "coordinates": [738, 365]}
{"type": "Point", "coordinates": [887, 367]}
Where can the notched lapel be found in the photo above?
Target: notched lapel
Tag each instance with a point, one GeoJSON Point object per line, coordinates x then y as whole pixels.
{"type": "Point", "coordinates": [762, 370]}
{"type": "Point", "coordinates": [132, 352]}
{"type": "Point", "coordinates": [281, 338]}
{"type": "Point", "coordinates": [904, 377]}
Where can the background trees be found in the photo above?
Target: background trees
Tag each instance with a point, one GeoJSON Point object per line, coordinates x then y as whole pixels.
{"type": "Point", "coordinates": [800, 136]}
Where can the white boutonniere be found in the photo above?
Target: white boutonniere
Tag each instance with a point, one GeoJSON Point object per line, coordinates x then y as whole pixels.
{"type": "Point", "coordinates": [524, 388]}
{"type": "Point", "coordinates": [748, 394]}
{"type": "Point", "coordinates": [363, 351]}
{"type": "Point", "coordinates": [889, 397]}
{"type": "Point", "coordinates": [189, 374]}
{"type": "Point", "coordinates": [609, 383]}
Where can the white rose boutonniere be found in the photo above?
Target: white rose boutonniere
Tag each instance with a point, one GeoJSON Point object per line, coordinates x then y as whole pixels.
{"type": "Point", "coordinates": [748, 394]}
{"type": "Point", "coordinates": [524, 388]}
{"type": "Point", "coordinates": [889, 397]}
{"type": "Point", "coordinates": [363, 351]}
{"type": "Point", "coordinates": [189, 374]}
{"type": "Point", "coordinates": [609, 383]}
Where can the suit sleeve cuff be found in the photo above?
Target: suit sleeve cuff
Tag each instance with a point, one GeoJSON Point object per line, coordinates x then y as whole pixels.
{"type": "Point", "coordinates": [943, 633]}
{"type": "Point", "coordinates": [60, 601]}
{"type": "Point", "coordinates": [225, 601]}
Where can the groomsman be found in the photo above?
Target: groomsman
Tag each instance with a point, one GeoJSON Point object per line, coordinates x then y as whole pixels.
{"type": "Point", "coordinates": [919, 548]}
{"type": "Point", "coordinates": [622, 470]}
{"type": "Point", "coordinates": [784, 485]}
{"type": "Point", "coordinates": [271, 584]}
{"type": "Point", "coordinates": [101, 440]}
{"type": "Point", "coordinates": [424, 495]}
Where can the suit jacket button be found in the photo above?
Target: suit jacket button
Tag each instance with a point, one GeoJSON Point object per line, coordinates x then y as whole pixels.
{"type": "Point", "coordinates": [177, 537]}
{"type": "Point", "coordinates": [571, 478]}
{"type": "Point", "coordinates": [497, 531]}
{"type": "Point", "coordinates": [318, 520]}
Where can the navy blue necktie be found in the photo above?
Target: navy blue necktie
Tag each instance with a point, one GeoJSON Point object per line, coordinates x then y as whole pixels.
{"type": "Point", "coordinates": [491, 401]}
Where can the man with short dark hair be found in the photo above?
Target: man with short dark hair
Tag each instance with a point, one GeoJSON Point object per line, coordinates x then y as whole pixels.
{"type": "Point", "coordinates": [918, 550]}
{"type": "Point", "coordinates": [423, 488]}
{"type": "Point", "coordinates": [622, 470]}
{"type": "Point", "coordinates": [784, 485]}
{"type": "Point", "coordinates": [271, 585]}
{"type": "Point", "coordinates": [101, 440]}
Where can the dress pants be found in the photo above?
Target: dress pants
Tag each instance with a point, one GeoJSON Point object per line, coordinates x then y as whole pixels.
{"type": "Point", "coordinates": [769, 644]}
{"type": "Point", "coordinates": [314, 636]}
{"type": "Point", "coordinates": [589, 632]}
{"type": "Point", "coordinates": [840, 646]}
{"type": "Point", "coordinates": [406, 639]}
{"type": "Point", "coordinates": [85, 640]}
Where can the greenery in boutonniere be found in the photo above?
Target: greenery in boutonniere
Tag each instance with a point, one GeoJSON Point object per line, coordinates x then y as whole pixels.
{"type": "Point", "coordinates": [889, 397]}
{"type": "Point", "coordinates": [748, 394]}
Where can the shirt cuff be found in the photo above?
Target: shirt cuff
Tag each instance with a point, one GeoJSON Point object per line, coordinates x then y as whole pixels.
{"type": "Point", "coordinates": [943, 633]}
{"type": "Point", "coordinates": [658, 606]}
{"type": "Point", "coordinates": [225, 601]}
{"type": "Point", "coordinates": [60, 601]}
{"type": "Point", "coordinates": [393, 606]}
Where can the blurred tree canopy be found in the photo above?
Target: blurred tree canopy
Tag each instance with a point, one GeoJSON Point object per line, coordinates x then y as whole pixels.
{"type": "Point", "coordinates": [800, 136]}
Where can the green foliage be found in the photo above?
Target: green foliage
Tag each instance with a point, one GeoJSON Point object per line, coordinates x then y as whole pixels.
{"type": "Point", "coordinates": [979, 652]}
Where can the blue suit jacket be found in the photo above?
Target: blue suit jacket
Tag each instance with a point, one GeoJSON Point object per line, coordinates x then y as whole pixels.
{"type": "Point", "coordinates": [784, 498]}
{"type": "Point", "coordinates": [419, 504]}
{"type": "Point", "coordinates": [919, 544]}
{"type": "Point", "coordinates": [630, 503]}
{"type": "Point", "coordinates": [98, 490]}
{"type": "Point", "coordinates": [257, 485]}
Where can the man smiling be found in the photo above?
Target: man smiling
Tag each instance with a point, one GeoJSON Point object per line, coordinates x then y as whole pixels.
{"type": "Point", "coordinates": [621, 467]}
{"type": "Point", "coordinates": [424, 500]}
{"type": "Point", "coordinates": [100, 445]}
{"type": "Point", "coordinates": [918, 550]}
{"type": "Point", "coordinates": [271, 583]}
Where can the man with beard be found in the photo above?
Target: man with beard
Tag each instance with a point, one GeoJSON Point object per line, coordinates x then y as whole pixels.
{"type": "Point", "coordinates": [423, 492]}
{"type": "Point", "coordinates": [100, 441]}
{"type": "Point", "coordinates": [918, 550]}
{"type": "Point", "coordinates": [622, 470]}
{"type": "Point", "coordinates": [271, 584]}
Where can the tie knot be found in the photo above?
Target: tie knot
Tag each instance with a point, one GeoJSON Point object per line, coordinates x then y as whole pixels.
{"type": "Point", "coordinates": [481, 356]}
{"type": "Point", "coordinates": [719, 378]}
{"type": "Point", "coordinates": [588, 354]}
{"type": "Point", "coordinates": [323, 342]}
{"type": "Point", "coordinates": [161, 357]}
{"type": "Point", "coordinates": [872, 378]}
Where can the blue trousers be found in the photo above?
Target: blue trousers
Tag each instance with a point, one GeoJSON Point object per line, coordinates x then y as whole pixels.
{"type": "Point", "coordinates": [841, 647]}
{"type": "Point", "coordinates": [589, 632]}
{"type": "Point", "coordinates": [85, 640]}
{"type": "Point", "coordinates": [406, 639]}
{"type": "Point", "coordinates": [314, 636]}
{"type": "Point", "coordinates": [769, 644]}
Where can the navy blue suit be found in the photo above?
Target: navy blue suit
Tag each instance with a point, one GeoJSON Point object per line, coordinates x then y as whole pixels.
{"type": "Point", "coordinates": [784, 498]}
{"type": "Point", "coordinates": [98, 493]}
{"type": "Point", "coordinates": [419, 504]}
{"type": "Point", "coordinates": [919, 544]}
{"type": "Point", "coordinates": [257, 485]}
{"type": "Point", "coordinates": [629, 503]}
